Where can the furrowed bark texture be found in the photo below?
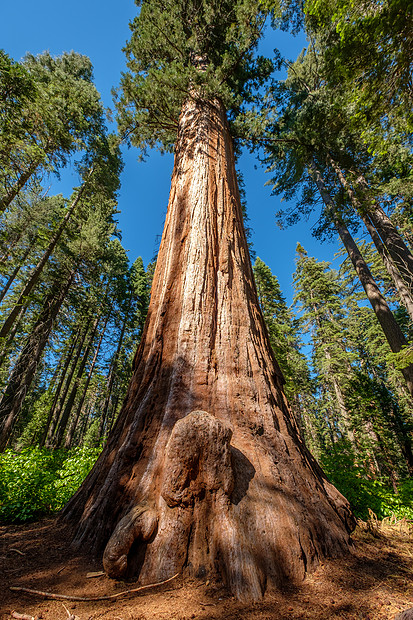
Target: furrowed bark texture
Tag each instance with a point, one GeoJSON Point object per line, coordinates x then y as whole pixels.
{"type": "Point", "coordinates": [204, 472]}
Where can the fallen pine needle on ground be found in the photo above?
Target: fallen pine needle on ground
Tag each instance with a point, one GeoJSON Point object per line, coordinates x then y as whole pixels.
{"type": "Point", "coordinates": [374, 582]}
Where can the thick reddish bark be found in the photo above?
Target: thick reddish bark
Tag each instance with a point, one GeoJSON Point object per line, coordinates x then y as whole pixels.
{"type": "Point", "coordinates": [205, 472]}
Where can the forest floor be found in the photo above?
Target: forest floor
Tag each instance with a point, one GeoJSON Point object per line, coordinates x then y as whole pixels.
{"type": "Point", "coordinates": [375, 581]}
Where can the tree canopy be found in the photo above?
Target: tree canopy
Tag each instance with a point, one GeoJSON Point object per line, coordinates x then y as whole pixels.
{"type": "Point", "coordinates": [183, 49]}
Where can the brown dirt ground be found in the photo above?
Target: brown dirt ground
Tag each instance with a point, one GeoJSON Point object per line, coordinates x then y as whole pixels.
{"type": "Point", "coordinates": [375, 581]}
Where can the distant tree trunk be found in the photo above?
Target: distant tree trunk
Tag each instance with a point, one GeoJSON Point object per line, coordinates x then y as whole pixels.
{"type": "Point", "coordinates": [65, 367]}
{"type": "Point", "coordinates": [63, 422]}
{"type": "Point", "coordinates": [75, 418]}
{"type": "Point", "coordinates": [394, 243]}
{"type": "Point", "coordinates": [58, 405]}
{"type": "Point", "coordinates": [404, 292]}
{"type": "Point", "coordinates": [14, 273]}
{"type": "Point", "coordinates": [204, 472]}
{"type": "Point", "coordinates": [36, 273]}
{"type": "Point", "coordinates": [113, 410]}
{"type": "Point", "coordinates": [389, 234]}
{"type": "Point", "coordinates": [54, 434]}
{"type": "Point", "coordinates": [403, 434]}
{"type": "Point", "coordinates": [388, 323]}
{"type": "Point", "coordinates": [112, 372]}
{"type": "Point", "coordinates": [384, 315]}
{"type": "Point", "coordinates": [27, 363]}
{"type": "Point", "coordinates": [7, 199]}
{"type": "Point", "coordinates": [5, 348]}
{"type": "Point", "coordinates": [344, 415]}
{"type": "Point", "coordinates": [345, 418]}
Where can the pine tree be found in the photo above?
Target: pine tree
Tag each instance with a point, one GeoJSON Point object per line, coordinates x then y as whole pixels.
{"type": "Point", "coordinates": [283, 331]}
{"type": "Point", "coordinates": [308, 141]}
{"type": "Point", "coordinates": [58, 112]}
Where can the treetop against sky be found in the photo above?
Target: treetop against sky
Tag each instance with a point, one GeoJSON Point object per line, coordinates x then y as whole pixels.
{"type": "Point", "coordinates": [101, 34]}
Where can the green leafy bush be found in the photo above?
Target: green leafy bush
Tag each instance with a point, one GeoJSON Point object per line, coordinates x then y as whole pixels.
{"type": "Point", "coordinates": [37, 481]}
{"type": "Point", "coordinates": [74, 469]}
{"type": "Point", "coordinates": [364, 493]}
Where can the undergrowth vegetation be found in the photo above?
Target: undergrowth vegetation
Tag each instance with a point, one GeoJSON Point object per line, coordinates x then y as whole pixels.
{"type": "Point", "coordinates": [37, 481]}
{"type": "Point", "coordinates": [366, 493]}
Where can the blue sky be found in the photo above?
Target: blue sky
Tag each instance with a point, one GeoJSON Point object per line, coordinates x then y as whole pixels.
{"type": "Point", "coordinates": [100, 30]}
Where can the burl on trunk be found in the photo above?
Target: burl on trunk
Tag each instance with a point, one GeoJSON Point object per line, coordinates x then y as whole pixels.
{"type": "Point", "coordinates": [205, 472]}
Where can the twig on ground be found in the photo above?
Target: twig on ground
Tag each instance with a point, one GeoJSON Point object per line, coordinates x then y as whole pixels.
{"type": "Point", "coordinates": [15, 614]}
{"type": "Point", "coordinates": [69, 597]}
{"type": "Point", "coordinates": [70, 616]}
{"type": "Point", "coordinates": [17, 551]}
{"type": "Point", "coordinates": [99, 573]}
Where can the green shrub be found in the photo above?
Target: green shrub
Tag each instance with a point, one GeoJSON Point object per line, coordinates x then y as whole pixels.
{"type": "Point", "coordinates": [73, 471]}
{"type": "Point", "coordinates": [38, 481]}
{"type": "Point", "coordinates": [364, 493]}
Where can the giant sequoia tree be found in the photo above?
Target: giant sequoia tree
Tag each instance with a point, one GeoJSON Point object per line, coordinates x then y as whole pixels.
{"type": "Point", "coordinates": [204, 472]}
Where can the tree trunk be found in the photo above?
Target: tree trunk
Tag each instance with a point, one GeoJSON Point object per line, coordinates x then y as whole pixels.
{"type": "Point", "coordinates": [384, 315]}
{"type": "Point", "coordinates": [35, 275]}
{"type": "Point", "coordinates": [63, 422]}
{"type": "Point", "coordinates": [6, 200]}
{"type": "Point", "coordinates": [204, 472]}
{"type": "Point", "coordinates": [344, 415]}
{"type": "Point", "coordinates": [389, 234]}
{"type": "Point", "coordinates": [112, 372]}
{"type": "Point", "coordinates": [25, 367]}
{"type": "Point", "coordinates": [393, 242]}
{"type": "Point", "coordinates": [75, 418]}
{"type": "Point", "coordinates": [5, 347]}
{"type": "Point", "coordinates": [388, 323]}
{"type": "Point", "coordinates": [405, 294]}
{"type": "Point", "coordinates": [64, 362]}
{"type": "Point", "coordinates": [14, 273]}
{"type": "Point", "coordinates": [58, 406]}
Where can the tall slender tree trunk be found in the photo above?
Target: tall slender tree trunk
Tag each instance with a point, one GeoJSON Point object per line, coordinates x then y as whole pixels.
{"type": "Point", "coordinates": [389, 234]}
{"type": "Point", "coordinates": [205, 470]}
{"type": "Point", "coordinates": [384, 315]}
{"type": "Point", "coordinates": [64, 420]}
{"type": "Point", "coordinates": [6, 200]}
{"type": "Point", "coordinates": [344, 415]}
{"type": "Point", "coordinates": [65, 368]}
{"type": "Point", "coordinates": [388, 323]}
{"type": "Point", "coordinates": [112, 372]}
{"type": "Point", "coordinates": [404, 292]}
{"type": "Point", "coordinates": [26, 366]}
{"type": "Point", "coordinates": [394, 243]}
{"type": "Point", "coordinates": [14, 273]}
{"type": "Point", "coordinates": [36, 273]}
{"type": "Point", "coordinates": [402, 431]}
{"type": "Point", "coordinates": [5, 348]}
{"type": "Point", "coordinates": [345, 418]}
{"type": "Point", "coordinates": [75, 418]}
{"type": "Point", "coordinates": [51, 439]}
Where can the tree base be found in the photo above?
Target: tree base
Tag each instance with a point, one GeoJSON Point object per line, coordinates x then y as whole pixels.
{"type": "Point", "coordinates": [210, 522]}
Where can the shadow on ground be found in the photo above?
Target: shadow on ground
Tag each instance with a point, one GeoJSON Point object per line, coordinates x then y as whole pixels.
{"type": "Point", "coordinates": [374, 582]}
